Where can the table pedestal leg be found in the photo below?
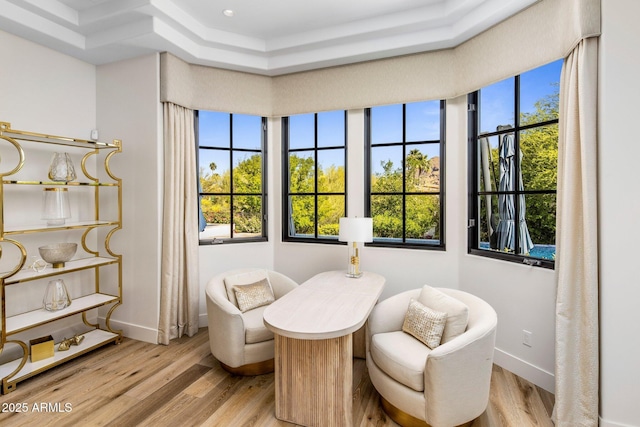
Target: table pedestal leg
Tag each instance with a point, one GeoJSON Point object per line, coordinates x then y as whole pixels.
{"type": "Point", "coordinates": [314, 381]}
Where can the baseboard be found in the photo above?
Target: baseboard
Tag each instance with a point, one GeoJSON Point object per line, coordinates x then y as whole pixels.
{"type": "Point", "coordinates": [136, 332]}
{"type": "Point", "coordinates": [604, 423]}
{"type": "Point", "coordinates": [203, 320]}
{"type": "Point", "coordinates": [526, 370]}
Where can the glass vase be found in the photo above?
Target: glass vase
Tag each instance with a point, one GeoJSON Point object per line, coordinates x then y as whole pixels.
{"type": "Point", "coordinates": [61, 168]}
{"type": "Point", "coordinates": [55, 205]}
{"type": "Point", "coordinates": [56, 297]}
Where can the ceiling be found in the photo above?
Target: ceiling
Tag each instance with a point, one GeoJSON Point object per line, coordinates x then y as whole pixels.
{"type": "Point", "coordinates": [269, 37]}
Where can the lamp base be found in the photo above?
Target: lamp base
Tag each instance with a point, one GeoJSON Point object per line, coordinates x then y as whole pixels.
{"type": "Point", "coordinates": [353, 268]}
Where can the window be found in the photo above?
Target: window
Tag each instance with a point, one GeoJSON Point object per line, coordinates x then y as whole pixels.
{"type": "Point", "coordinates": [231, 170]}
{"type": "Point", "coordinates": [405, 178]}
{"type": "Point", "coordinates": [513, 144]}
{"type": "Point", "coordinates": [315, 185]}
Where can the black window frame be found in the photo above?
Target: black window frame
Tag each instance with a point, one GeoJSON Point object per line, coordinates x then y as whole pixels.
{"type": "Point", "coordinates": [411, 243]}
{"type": "Point", "coordinates": [474, 193]}
{"type": "Point", "coordinates": [232, 194]}
{"type": "Point", "coordinates": [286, 219]}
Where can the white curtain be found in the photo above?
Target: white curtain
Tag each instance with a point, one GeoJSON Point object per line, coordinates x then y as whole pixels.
{"type": "Point", "coordinates": [577, 359]}
{"type": "Point", "coordinates": [179, 293]}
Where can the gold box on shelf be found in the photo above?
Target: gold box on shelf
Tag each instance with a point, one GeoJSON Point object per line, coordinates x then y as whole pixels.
{"type": "Point", "coordinates": [41, 348]}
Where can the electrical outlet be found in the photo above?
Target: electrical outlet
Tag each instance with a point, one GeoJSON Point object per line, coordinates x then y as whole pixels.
{"type": "Point", "coordinates": [527, 338]}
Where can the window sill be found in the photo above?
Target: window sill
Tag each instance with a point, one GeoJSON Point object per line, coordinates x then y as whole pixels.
{"type": "Point", "coordinates": [520, 259]}
{"type": "Point", "coordinates": [406, 245]}
{"type": "Point", "coordinates": [216, 241]}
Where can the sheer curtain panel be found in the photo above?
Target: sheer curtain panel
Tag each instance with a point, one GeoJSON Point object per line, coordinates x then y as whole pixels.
{"type": "Point", "coordinates": [179, 292]}
{"type": "Point", "coordinates": [577, 357]}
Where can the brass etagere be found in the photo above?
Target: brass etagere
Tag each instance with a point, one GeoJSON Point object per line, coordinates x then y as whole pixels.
{"type": "Point", "coordinates": [21, 368]}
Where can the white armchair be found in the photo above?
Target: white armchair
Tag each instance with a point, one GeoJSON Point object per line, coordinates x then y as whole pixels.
{"type": "Point", "coordinates": [444, 387]}
{"type": "Point", "coordinates": [239, 340]}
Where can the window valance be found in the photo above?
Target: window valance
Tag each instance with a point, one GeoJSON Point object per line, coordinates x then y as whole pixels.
{"type": "Point", "coordinates": [544, 32]}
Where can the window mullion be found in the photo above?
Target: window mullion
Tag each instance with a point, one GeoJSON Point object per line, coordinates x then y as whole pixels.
{"type": "Point", "coordinates": [231, 197]}
{"type": "Point", "coordinates": [516, 169]}
{"type": "Point", "coordinates": [404, 173]}
{"type": "Point", "coordinates": [315, 175]}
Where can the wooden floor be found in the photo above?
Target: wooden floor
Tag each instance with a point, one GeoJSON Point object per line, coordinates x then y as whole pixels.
{"type": "Point", "coordinates": [140, 384]}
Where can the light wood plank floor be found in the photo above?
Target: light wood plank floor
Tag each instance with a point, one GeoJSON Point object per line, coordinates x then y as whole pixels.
{"type": "Point", "coordinates": [140, 384]}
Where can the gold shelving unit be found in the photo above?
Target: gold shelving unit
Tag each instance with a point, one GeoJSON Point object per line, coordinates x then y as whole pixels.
{"type": "Point", "coordinates": [20, 368]}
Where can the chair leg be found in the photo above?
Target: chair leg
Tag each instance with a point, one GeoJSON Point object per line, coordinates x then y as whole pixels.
{"type": "Point", "coordinates": [404, 419]}
{"type": "Point", "coordinates": [251, 369]}
{"type": "Point", "coordinates": [401, 417]}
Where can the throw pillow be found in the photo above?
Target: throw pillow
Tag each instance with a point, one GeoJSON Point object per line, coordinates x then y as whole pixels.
{"type": "Point", "coordinates": [424, 323]}
{"type": "Point", "coordinates": [457, 311]}
{"type": "Point", "coordinates": [247, 277]}
{"type": "Point", "coordinates": [253, 295]}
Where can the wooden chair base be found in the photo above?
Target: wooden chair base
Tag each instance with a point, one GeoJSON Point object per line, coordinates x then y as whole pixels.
{"type": "Point", "coordinates": [404, 419]}
{"type": "Point", "coordinates": [251, 369]}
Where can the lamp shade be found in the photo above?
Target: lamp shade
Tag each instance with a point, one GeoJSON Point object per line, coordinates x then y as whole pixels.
{"type": "Point", "coordinates": [356, 230]}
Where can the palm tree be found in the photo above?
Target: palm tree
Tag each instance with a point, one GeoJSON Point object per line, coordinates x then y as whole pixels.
{"type": "Point", "coordinates": [417, 164]}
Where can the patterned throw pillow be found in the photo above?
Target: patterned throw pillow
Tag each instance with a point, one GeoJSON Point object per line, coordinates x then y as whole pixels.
{"type": "Point", "coordinates": [253, 295]}
{"type": "Point", "coordinates": [425, 324]}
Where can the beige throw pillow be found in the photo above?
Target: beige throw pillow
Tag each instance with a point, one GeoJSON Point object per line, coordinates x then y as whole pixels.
{"type": "Point", "coordinates": [253, 295]}
{"type": "Point", "coordinates": [457, 311]}
{"type": "Point", "coordinates": [424, 323]}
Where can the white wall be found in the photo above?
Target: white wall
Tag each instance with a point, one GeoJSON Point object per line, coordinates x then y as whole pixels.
{"type": "Point", "coordinates": [523, 296]}
{"type": "Point", "coordinates": [619, 156]}
{"type": "Point", "coordinates": [128, 108]}
{"type": "Point", "coordinates": [47, 92]}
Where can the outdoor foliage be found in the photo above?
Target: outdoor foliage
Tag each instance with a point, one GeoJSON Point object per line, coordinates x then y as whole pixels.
{"type": "Point", "coordinates": [539, 147]}
{"type": "Point", "coordinates": [421, 211]}
{"type": "Point", "coordinates": [247, 179]}
{"type": "Point", "coordinates": [331, 206]}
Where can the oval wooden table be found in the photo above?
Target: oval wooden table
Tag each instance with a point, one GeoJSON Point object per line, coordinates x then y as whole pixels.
{"type": "Point", "coordinates": [313, 326]}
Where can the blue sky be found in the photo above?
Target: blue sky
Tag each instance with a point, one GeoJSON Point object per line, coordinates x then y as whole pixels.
{"type": "Point", "coordinates": [423, 122]}
{"type": "Point", "coordinates": [496, 101]}
{"type": "Point", "coordinates": [215, 132]}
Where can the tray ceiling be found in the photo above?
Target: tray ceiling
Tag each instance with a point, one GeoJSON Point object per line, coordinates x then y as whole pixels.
{"type": "Point", "coordinates": [269, 37]}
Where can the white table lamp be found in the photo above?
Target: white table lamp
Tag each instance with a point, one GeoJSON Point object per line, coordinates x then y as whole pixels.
{"type": "Point", "coordinates": [355, 231]}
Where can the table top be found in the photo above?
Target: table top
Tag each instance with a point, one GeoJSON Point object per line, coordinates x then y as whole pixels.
{"type": "Point", "coordinates": [329, 305]}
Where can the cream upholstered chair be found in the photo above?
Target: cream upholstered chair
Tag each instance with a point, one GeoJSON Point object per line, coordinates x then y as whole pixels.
{"type": "Point", "coordinates": [444, 387]}
{"type": "Point", "coordinates": [239, 340]}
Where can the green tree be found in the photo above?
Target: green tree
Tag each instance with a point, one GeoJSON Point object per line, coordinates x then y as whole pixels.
{"type": "Point", "coordinates": [247, 178]}
{"type": "Point", "coordinates": [417, 165]}
{"type": "Point", "coordinates": [331, 179]}
{"type": "Point", "coordinates": [420, 212]}
{"type": "Point", "coordinates": [302, 186]}
{"type": "Point", "coordinates": [539, 166]}
{"type": "Point", "coordinates": [302, 180]}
